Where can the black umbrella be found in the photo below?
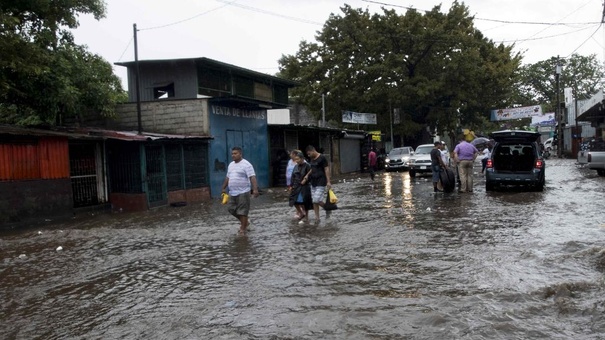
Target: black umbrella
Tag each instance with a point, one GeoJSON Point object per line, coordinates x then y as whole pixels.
{"type": "Point", "coordinates": [480, 140]}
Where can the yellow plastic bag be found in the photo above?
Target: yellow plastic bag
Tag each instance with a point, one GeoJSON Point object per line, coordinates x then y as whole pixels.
{"type": "Point", "coordinates": [333, 198]}
{"type": "Point", "coordinates": [225, 198]}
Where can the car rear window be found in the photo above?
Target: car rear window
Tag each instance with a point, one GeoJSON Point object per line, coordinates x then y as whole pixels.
{"type": "Point", "coordinates": [515, 149]}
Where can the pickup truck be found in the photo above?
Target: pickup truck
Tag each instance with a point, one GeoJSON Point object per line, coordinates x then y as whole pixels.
{"type": "Point", "coordinates": [596, 156]}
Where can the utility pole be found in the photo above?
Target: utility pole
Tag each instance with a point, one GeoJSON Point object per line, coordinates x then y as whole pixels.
{"type": "Point", "coordinates": [137, 79]}
{"type": "Point", "coordinates": [323, 110]}
{"type": "Point", "coordinates": [559, 113]}
{"type": "Point", "coordinates": [391, 124]}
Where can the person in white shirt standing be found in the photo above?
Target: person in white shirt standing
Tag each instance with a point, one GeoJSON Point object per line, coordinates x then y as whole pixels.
{"type": "Point", "coordinates": [240, 174]}
{"type": "Point", "coordinates": [486, 153]}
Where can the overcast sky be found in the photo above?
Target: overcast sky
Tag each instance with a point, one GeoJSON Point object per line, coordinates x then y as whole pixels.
{"type": "Point", "coordinates": [255, 33]}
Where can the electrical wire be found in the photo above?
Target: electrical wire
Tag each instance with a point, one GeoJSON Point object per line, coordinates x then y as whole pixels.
{"type": "Point", "coordinates": [495, 20]}
{"type": "Point", "coordinates": [582, 44]}
{"type": "Point", "coordinates": [250, 8]}
{"type": "Point", "coordinates": [227, 3]}
{"type": "Point", "coordinates": [570, 13]}
{"type": "Point", "coordinates": [127, 46]}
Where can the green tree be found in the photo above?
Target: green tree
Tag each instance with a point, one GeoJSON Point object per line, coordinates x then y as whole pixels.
{"type": "Point", "coordinates": [44, 76]}
{"type": "Point", "coordinates": [436, 67]}
{"type": "Point", "coordinates": [537, 82]}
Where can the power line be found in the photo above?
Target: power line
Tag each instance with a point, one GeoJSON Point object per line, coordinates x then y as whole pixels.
{"type": "Point", "coordinates": [227, 3]}
{"type": "Point", "coordinates": [570, 13]}
{"type": "Point", "coordinates": [127, 46]}
{"type": "Point", "coordinates": [545, 37]}
{"type": "Point", "coordinates": [494, 20]}
{"type": "Point", "coordinates": [582, 44]}
{"type": "Point", "coordinates": [250, 8]}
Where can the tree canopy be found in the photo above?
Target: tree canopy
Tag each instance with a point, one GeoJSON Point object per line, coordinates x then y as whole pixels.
{"type": "Point", "coordinates": [537, 82]}
{"type": "Point", "coordinates": [44, 76]}
{"type": "Point", "coordinates": [436, 67]}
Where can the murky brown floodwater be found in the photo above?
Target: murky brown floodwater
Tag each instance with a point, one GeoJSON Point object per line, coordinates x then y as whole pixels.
{"type": "Point", "coordinates": [395, 261]}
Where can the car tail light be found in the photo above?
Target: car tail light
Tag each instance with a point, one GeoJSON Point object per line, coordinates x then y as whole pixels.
{"type": "Point", "coordinates": [539, 164]}
{"type": "Point", "coordinates": [490, 164]}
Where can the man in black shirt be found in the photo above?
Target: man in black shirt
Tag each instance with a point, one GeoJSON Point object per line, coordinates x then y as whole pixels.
{"type": "Point", "coordinates": [436, 164]}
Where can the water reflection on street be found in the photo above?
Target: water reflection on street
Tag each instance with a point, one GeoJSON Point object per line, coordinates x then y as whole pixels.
{"type": "Point", "coordinates": [394, 261]}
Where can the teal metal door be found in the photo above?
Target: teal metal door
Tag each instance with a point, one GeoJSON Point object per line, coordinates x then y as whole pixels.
{"type": "Point", "coordinates": [156, 176]}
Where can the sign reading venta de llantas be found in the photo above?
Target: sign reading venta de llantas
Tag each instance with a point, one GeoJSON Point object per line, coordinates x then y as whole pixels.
{"type": "Point", "coordinates": [516, 113]}
{"type": "Point", "coordinates": [358, 118]}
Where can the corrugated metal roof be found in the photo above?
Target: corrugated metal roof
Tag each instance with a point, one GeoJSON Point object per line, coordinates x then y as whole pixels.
{"type": "Point", "coordinates": [135, 136]}
{"type": "Point", "coordinates": [94, 133]}
{"type": "Point", "coordinates": [208, 61]}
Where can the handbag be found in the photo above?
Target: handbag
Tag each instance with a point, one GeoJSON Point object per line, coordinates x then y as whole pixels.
{"type": "Point", "coordinates": [329, 205]}
{"type": "Point", "coordinates": [332, 197]}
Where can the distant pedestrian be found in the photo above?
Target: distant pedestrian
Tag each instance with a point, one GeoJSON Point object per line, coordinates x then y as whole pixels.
{"type": "Point", "coordinates": [486, 154]}
{"type": "Point", "coordinates": [290, 167]}
{"type": "Point", "coordinates": [465, 154]}
{"type": "Point", "coordinates": [320, 179]}
{"type": "Point", "coordinates": [372, 161]}
{"type": "Point", "coordinates": [240, 175]}
{"type": "Point", "coordinates": [300, 193]}
{"type": "Point", "coordinates": [444, 154]}
{"type": "Point", "coordinates": [437, 164]}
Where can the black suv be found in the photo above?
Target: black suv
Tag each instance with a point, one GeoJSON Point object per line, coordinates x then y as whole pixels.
{"type": "Point", "coordinates": [515, 160]}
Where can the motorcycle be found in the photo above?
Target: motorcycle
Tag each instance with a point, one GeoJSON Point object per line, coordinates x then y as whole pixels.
{"type": "Point", "coordinates": [545, 151]}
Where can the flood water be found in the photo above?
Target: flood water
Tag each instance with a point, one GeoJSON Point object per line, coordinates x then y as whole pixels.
{"type": "Point", "coordinates": [395, 261]}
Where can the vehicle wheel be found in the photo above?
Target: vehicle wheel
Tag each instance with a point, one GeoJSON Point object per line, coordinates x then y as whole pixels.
{"type": "Point", "coordinates": [601, 172]}
{"type": "Point", "coordinates": [412, 173]}
{"type": "Point", "coordinates": [489, 186]}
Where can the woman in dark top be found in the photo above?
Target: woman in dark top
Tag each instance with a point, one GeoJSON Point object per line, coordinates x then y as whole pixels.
{"type": "Point", "coordinates": [300, 195]}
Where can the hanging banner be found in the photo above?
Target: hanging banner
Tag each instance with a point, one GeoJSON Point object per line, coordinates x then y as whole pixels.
{"type": "Point", "coordinates": [358, 118]}
{"type": "Point", "coordinates": [548, 119]}
{"type": "Point", "coordinates": [516, 113]}
{"type": "Point", "coordinates": [396, 116]}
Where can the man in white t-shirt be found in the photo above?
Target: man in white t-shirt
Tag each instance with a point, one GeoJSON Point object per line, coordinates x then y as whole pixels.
{"type": "Point", "coordinates": [240, 174]}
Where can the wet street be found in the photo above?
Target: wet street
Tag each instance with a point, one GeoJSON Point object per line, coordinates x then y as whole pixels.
{"type": "Point", "coordinates": [395, 261]}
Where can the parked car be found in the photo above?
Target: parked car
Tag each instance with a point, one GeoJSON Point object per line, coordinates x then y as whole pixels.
{"type": "Point", "coordinates": [421, 161]}
{"type": "Point", "coordinates": [516, 160]}
{"type": "Point", "coordinates": [596, 156]}
{"type": "Point", "coordinates": [397, 158]}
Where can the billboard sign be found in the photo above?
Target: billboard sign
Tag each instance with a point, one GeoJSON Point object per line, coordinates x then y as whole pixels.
{"type": "Point", "coordinates": [375, 135]}
{"type": "Point", "coordinates": [516, 113]}
{"type": "Point", "coordinates": [358, 118]}
{"type": "Point", "coordinates": [548, 119]}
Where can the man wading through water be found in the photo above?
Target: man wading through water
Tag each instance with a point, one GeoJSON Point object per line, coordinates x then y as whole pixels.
{"type": "Point", "coordinates": [320, 179]}
{"type": "Point", "coordinates": [240, 174]}
{"type": "Point", "coordinates": [436, 164]}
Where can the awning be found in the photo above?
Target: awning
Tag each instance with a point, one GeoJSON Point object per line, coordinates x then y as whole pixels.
{"type": "Point", "coordinates": [593, 110]}
{"type": "Point", "coordinates": [94, 133]}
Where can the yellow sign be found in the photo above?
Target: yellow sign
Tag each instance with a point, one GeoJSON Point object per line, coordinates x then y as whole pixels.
{"type": "Point", "coordinates": [375, 135]}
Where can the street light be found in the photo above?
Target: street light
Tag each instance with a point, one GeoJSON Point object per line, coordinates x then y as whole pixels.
{"type": "Point", "coordinates": [559, 113]}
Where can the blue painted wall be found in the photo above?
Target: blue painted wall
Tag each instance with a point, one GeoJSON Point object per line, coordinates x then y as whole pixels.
{"type": "Point", "coordinates": [231, 127]}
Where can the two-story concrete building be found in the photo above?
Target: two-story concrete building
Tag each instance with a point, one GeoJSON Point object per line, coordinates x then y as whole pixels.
{"type": "Point", "coordinates": [201, 96]}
